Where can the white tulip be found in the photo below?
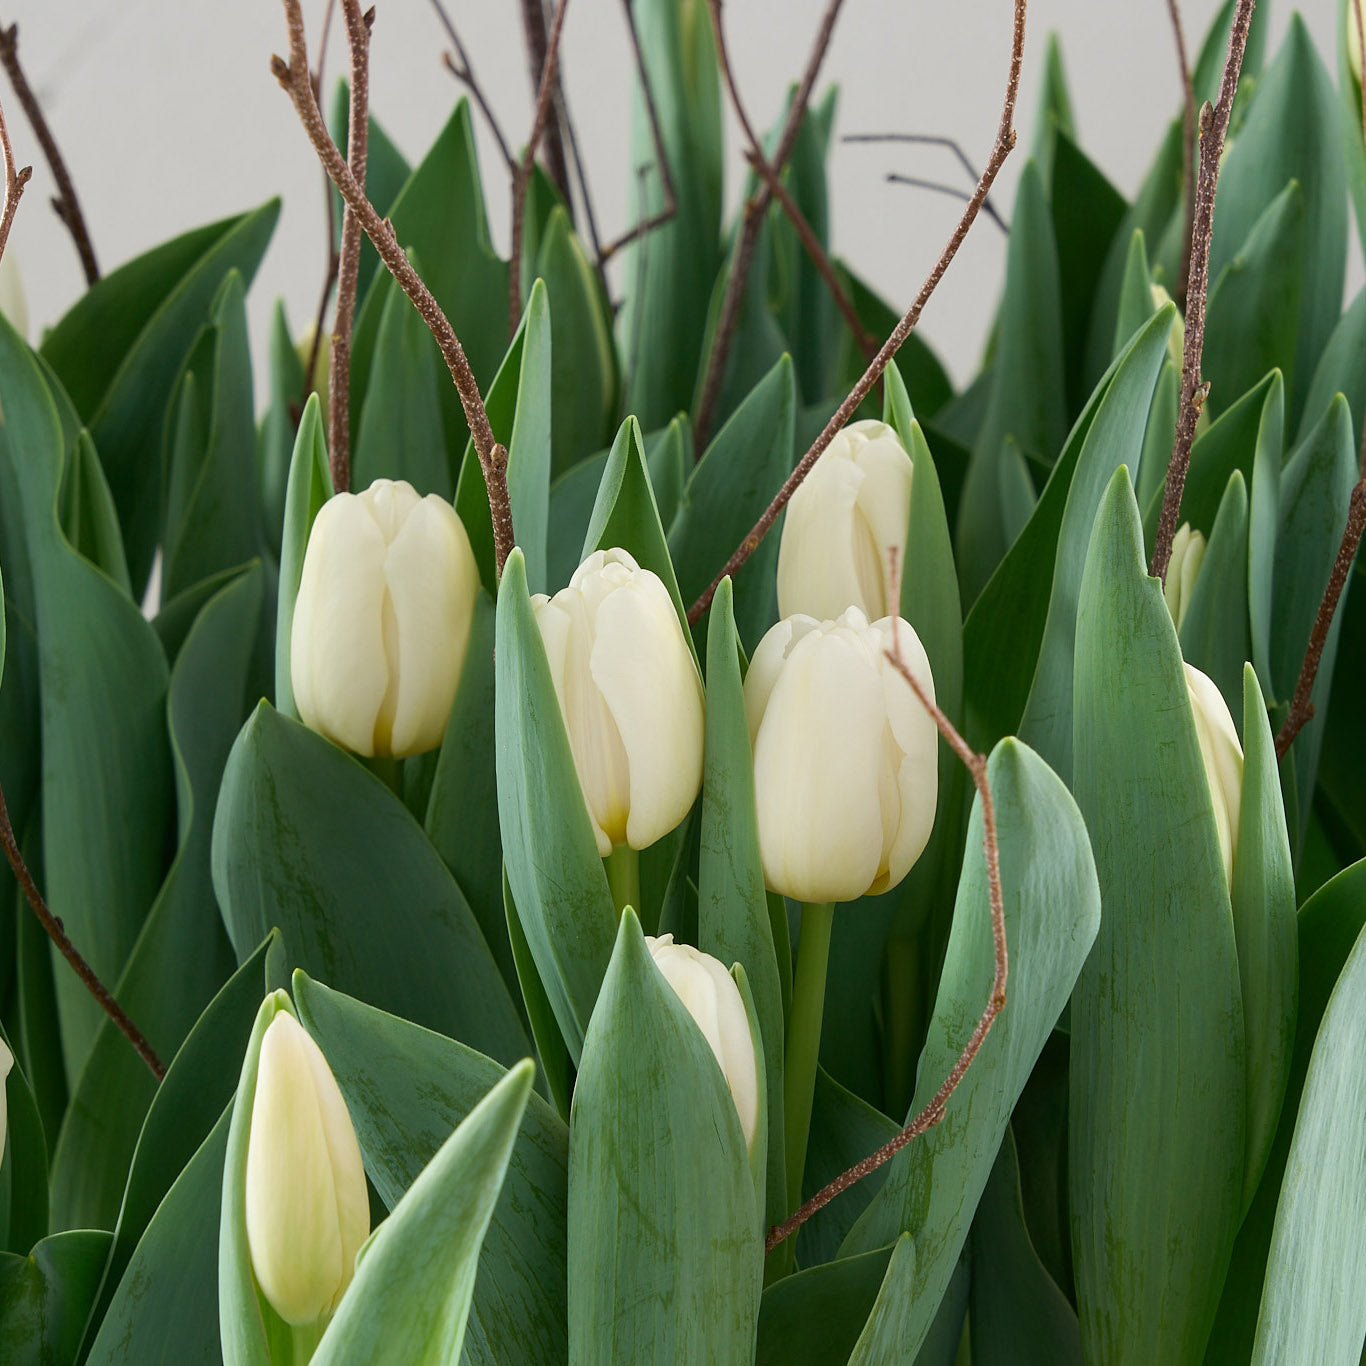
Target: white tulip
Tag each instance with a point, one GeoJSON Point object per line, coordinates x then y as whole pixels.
{"type": "Point", "coordinates": [843, 522]}
{"type": "Point", "coordinates": [307, 1208]}
{"type": "Point", "coordinates": [711, 997]}
{"type": "Point", "coordinates": [1188, 554]}
{"type": "Point", "coordinates": [382, 619]}
{"type": "Point", "coordinates": [630, 695]}
{"type": "Point", "coordinates": [845, 756]}
{"type": "Point", "coordinates": [6, 1062]}
{"type": "Point", "coordinates": [1223, 756]}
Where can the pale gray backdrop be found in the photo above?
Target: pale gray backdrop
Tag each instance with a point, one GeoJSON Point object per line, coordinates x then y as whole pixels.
{"type": "Point", "coordinates": [169, 117]}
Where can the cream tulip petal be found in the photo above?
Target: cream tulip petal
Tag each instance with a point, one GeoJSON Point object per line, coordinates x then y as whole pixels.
{"type": "Point", "coordinates": [432, 580]}
{"type": "Point", "coordinates": [884, 504]}
{"type": "Point", "coordinates": [646, 676]}
{"type": "Point", "coordinates": [767, 663]}
{"type": "Point", "coordinates": [337, 664]}
{"type": "Point", "coordinates": [817, 574]}
{"type": "Point", "coordinates": [815, 766]}
{"type": "Point", "coordinates": [391, 503]}
{"type": "Point", "coordinates": [599, 755]}
{"type": "Point", "coordinates": [1223, 758]}
{"type": "Point", "coordinates": [6, 1062]}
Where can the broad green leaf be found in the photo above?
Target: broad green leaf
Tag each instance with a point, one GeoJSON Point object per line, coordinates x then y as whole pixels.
{"type": "Point", "coordinates": [1209, 64]}
{"type": "Point", "coordinates": [665, 1241]}
{"type": "Point", "coordinates": [86, 510]}
{"type": "Point", "coordinates": [1051, 913]}
{"type": "Point", "coordinates": [211, 517]}
{"type": "Point", "coordinates": [1264, 515]}
{"type": "Point", "coordinates": [816, 1316]}
{"type": "Point", "coordinates": [125, 411]}
{"type": "Point", "coordinates": [583, 376]}
{"type": "Point", "coordinates": [275, 436]}
{"type": "Point", "coordinates": [1158, 439]}
{"type": "Point", "coordinates": [407, 1089]}
{"type": "Point", "coordinates": [1255, 303]}
{"type": "Point", "coordinates": [1341, 370]}
{"type": "Point", "coordinates": [200, 1081]}
{"type": "Point", "coordinates": [1329, 924]}
{"type": "Point", "coordinates": [23, 1163]}
{"type": "Point", "coordinates": [1039, 1127]}
{"type": "Point", "coordinates": [1136, 304]}
{"type": "Point", "coordinates": [308, 488]}
{"type": "Point", "coordinates": [1054, 115]}
{"type": "Point", "coordinates": [353, 884]}
{"type": "Point", "coordinates": [740, 471]}
{"type": "Point", "coordinates": [892, 1321]}
{"type": "Point", "coordinates": [1027, 393]}
{"type": "Point", "coordinates": [518, 406]}
{"type": "Point", "coordinates": [165, 1307]}
{"type": "Point", "coordinates": [104, 681]}
{"type": "Point", "coordinates": [1292, 132]}
{"type": "Point", "coordinates": [1015, 604]}
{"type": "Point", "coordinates": [401, 434]}
{"type": "Point", "coordinates": [1344, 740]}
{"type": "Point", "coordinates": [732, 909]}
{"type": "Point", "coordinates": [1019, 1315]}
{"type": "Point", "coordinates": [46, 1295]}
{"type": "Point", "coordinates": [439, 216]}
{"type": "Point", "coordinates": [1158, 1087]}
{"type": "Point", "coordinates": [1114, 440]}
{"type": "Point", "coordinates": [415, 1276]}
{"type": "Point", "coordinates": [672, 267]}
{"type": "Point", "coordinates": [182, 955]}
{"type": "Point", "coordinates": [1349, 110]}
{"type": "Point", "coordinates": [1312, 1304]}
{"type": "Point", "coordinates": [550, 854]}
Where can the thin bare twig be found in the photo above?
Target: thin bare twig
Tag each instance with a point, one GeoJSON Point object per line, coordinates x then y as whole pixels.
{"type": "Point", "coordinates": [654, 220]}
{"type": "Point", "coordinates": [1213, 127]}
{"type": "Point", "coordinates": [462, 69]}
{"type": "Point", "coordinates": [543, 55]}
{"type": "Point", "coordinates": [68, 207]}
{"type": "Point", "coordinates": [57, 933]}
{"type": "Point", "coordinates": [865, 340]}
{"type": "Point", "coordinates": [14, 184]}
{"type": "Point", "coordinates": [934, 140]}
{"type": "Point", "coordinates": [755, 207]}
{"type": "Point", "coordinates": [955, 191]}
{"type": "Point", "coordinates": [933, 1111]}
{"type": "Point", "coordinates": [1188, 121]}
{"type": "Point", "coordinates": [1005, 140]}
{"type": "Point", "coordinates": [358, 27]}
{"type": "Point", "coordinates": [293, 76]}
{"type": "Point", "coordinates": [521, 177]}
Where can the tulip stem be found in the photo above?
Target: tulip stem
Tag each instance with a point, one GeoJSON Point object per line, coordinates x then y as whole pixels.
{"type": "Point", "coordinates": [804, 1038]}
{"type": "Point", "coordinates": [305, 1338]}
{"type": "Point", "coordinates": [623, 877]}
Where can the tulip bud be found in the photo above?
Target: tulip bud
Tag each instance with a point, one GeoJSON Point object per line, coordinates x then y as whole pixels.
{"type": "Point", "coordinates": [307, 1208]}
{"type": "Point", "coordinates": [310, 349]}
{"type": "Point", "coordinates": [382, 619]}
{"type": "Point", "coordinates": [6, 1062]}
{"type": "Point", "coordinates": [1354, 38]}
{"type": "Point", "coordinates": [845, 518]}
{"type": "Point", "coordinates": [713, 1000]}
{"type": "Point", "coordinates": [845, 756]}
{"type": "Point", "coordinates": [1188, 553]}
{"type": "Point", "coordinates": [1223, 756]}
{"type": "Point", "coordinates": [630, 696]}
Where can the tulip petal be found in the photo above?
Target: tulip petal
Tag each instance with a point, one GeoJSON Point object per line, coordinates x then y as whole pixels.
{"type": "Point", "coordinates": [1223, 755]}
{"type": "Point", "coordinates": [817, 572]}
{"type": "Point", "coordinates": [915, 738]}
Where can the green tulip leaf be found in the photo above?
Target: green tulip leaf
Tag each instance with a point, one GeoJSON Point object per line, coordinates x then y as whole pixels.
{"type": "Point", "coordinates": [1052, 909]}
{"type": "Point", "coordinates": [551, 856]}
{"type": "Point", "coordinates": [123, 395]}
{"type": "Point", "coordinates": [1027, 387]}
{"type": "Point", "coordinates": [401, 434]}
{"type": "Point", "coordinates": [415, 1278]}
{"type": "Point", "coordinates": [1114, 440]}
{"type": "Point", "coordinates": [518, 406]}
{"type": "Point", "coordinates": [1158, 1087]}
{"type": "Point", "coordinates": [1341, 370]}
{"type": "Point", "coordinates": [182, 955]}
{"type": "Point", "coordinates": [1264, 515]}
{"type": "Point", "coordinates": [1136, 303]}
{"type": "Point", "coordinates": [23, 1163]}
{"type": "Point", "coordinates": [892, 1319]}
{"type": "Point", "coordinates": [740, 471]}
{"type": "Point", "coordinates": [46, 1295]}
{"type": "Point", "coordinates": [665, 1241]}
{"type": "Point", "coordinates": [104, 681]}
{"type": "Point", "coordinates": [671, 268]}
{"type": "Point", "coordinates": [407, 1089]}
{"type": "Point", "coordinates": [1292, 132]}
{"type": "Point", "coordinates": [86, 511]}
{"type": "Point", "coordinates": [817, 1315]}
{"type": "Point", "coordinates": [354, 885]}
{"type": "Point", "coordinates": [275, 436]}
{"type": "Point", "coordinates": [1015, 605]}
{"type": "Point", "coordinates": [1312, 1305]}
{"type": "Point", "coordinates": [732, 909]}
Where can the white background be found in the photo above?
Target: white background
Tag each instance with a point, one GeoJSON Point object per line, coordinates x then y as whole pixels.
{"type": "Point", "coordinates": [169, 117]}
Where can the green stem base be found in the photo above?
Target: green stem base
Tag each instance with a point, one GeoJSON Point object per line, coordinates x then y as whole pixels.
{"type": "Point", "coordinates": [804, 1040]}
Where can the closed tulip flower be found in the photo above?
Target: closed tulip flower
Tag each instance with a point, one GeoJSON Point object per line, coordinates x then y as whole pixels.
{"type": "Point", "coordinates": [845, 756]}
{"type": "Point", "coordinates": [382, 619]}
{"type": "Point", "coordinates": [845, 518]}
{"type": "Point", "coordinates": [1188, 554]}
{"type": "Point", "coordinates": [1223, 756]}
{"type": "Point", "coordinates": [630, 695]}
{"type": "Point", "coordinates": [713, 1000]}
{"type": "Point", "coordinates": [6, 1062]}
{"type": "Point", "coordinates": [307, 1208]}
